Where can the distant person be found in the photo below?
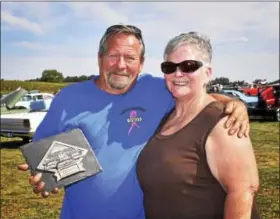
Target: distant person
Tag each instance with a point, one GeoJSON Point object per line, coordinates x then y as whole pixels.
{"type": "Point", "coordinates": [118, 111]}
{"type": "Point", "coordinates": [191, 168]}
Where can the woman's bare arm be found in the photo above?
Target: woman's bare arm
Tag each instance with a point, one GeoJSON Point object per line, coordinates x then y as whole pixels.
{"type": "Point", "coordinates": [232, 162]}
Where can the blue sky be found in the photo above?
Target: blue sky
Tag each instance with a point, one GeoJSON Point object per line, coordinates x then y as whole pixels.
{"type": "Point", "coordinates": [65, 35]}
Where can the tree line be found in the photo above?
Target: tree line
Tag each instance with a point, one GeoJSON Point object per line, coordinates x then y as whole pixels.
{"type": "Point", "coordinates": [54, 76]}
{"type": "Point", "coordinates": [226, 82]}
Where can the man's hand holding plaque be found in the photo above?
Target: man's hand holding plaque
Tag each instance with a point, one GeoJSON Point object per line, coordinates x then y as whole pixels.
{"type": "Point", "coordinates": [59, 161]}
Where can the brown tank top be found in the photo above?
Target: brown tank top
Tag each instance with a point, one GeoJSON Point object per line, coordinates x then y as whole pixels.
{"type": "Point", "coordinates": [174, 175]}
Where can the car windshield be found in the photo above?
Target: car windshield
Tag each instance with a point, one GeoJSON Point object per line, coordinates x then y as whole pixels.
{"type": "Point", "coordinates": [236, 93]}
{"type": "Point", "coordinates": [241, 94]}
{"type": "Point", "coordinates": [26, 98]}
{"type": "Point", "coordinates": [38, 97]}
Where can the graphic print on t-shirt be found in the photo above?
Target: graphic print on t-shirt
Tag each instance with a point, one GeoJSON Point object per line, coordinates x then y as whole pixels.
{"type": "Point", "coordinates": [134, 118]}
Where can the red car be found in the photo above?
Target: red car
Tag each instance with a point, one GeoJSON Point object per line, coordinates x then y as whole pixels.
{"type": "Point", "coordinates": [253, 91]}
{"type": "Point", "coordinates": [269, 103]}
{"type": "Point", "coordinates": [271, 95]}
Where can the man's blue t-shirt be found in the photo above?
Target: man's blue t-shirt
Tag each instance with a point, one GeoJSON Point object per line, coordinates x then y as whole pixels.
{"type": "Point", "coordinates": [117, 127]}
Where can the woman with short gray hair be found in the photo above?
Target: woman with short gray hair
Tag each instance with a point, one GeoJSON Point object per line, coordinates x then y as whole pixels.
{"type": "Point", "coordinates": [191, 168]}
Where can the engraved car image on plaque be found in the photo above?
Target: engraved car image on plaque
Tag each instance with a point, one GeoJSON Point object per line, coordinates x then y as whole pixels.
{"type": "Point", "coordinates": [63, 160]}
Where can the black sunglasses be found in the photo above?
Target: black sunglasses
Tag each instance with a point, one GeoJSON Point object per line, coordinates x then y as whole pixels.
{"type": "Point", "coordinates": [187, 66]}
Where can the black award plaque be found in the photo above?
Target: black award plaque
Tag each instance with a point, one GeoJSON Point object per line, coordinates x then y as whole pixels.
{"type": "Point", "coordinates": [62, 159]}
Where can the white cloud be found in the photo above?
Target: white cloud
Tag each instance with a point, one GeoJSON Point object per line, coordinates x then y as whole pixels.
{"type": "Point", "coordinates": [216, 19]}
{"type": "Point", "coordinates": [21, 23]}
{"type": "Point", "coordinates": [35, 10]}
{"type": "Point", "coordinates": [233, 40]}
{"type": "Point", "coordinates": [247, 66]}
{"type": "Point", "coordinates": [36, 17]}
{"type": "Point", "coordinates": [98, 11]}
{"type": "Point", "coordinates": [224, 22]}
{"type": "Point", "coordinates": [23, 68]}
{"type": "Point", "coordinates": [32, 46]}
{"type": "Point", "coordinates": [70, 48]}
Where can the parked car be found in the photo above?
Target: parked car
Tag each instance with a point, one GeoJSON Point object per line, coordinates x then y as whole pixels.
{"type": "Point", "coordinates": [223, 93]}
{"type": "Point", "coordinates": [26, 100]}
{"type": "Point", "coordinates": [22, 124]}
{"type": "Point", "coordinates": [9, 100]}
{"type": "Point", "coordinates": [250, 91]}
{"type": "Point", "coordinates": [251, 101]}
{"type": "Point", "coordinates": [269, 103]}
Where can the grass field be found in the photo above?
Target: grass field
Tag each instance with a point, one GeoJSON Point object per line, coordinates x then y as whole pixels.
{"type": "Point", "coordinates": [10, 85]}
{"type": "Point", "coordinates": [18, 201]}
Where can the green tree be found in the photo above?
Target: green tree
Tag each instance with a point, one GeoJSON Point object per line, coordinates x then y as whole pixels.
{"type": "Point", "coordinates": [239, 83]}
{"type": "Point", "coordinates": [221, 80]}
{"type": "Point", "coordinates": [83, 78]}
{"type": "Point", "coordinates": [52, 75]}
{"type": "Point", "coordinates": [68, 79]}
{"type": "Point", "coordinates": [257, 81]}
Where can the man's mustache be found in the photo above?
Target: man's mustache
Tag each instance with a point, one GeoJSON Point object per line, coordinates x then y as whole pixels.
{"type": "Point", "coordinates": [120, 73]}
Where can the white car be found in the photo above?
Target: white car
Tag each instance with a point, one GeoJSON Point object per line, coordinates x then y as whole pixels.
{"type": "Point", "coordinates": [24, 124]}
{"type": "Point", "coordinates": [27, 99]}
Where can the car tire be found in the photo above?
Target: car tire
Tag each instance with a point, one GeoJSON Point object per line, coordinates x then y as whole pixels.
{"type": "Point", "coordinates": [26, 140]}
{"type": "Point", "coordinates": [277, 115]}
